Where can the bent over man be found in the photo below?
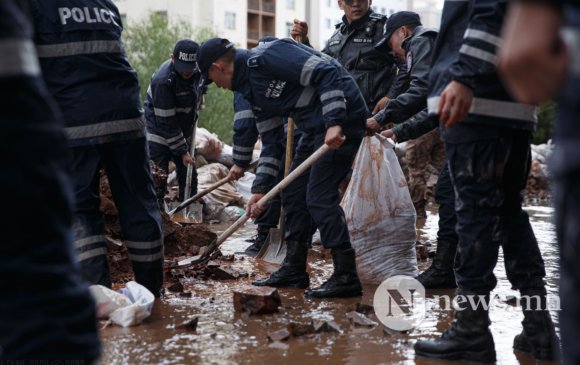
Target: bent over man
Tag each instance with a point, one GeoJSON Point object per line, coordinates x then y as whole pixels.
{"type": "Point", "coordinates": [286, 77]}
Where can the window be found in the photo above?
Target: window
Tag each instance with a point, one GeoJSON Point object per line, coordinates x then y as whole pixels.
{"type": "Point", "coordinates": [289, 26]}
{"type": "Point", "coordinates": [230, 20]}
{"type": "Point", "coordinates": [328, 23]}
{"type": "Point", "coordinates": [290, 4]}
{"type": "Point", "coordinates": [328, 3]}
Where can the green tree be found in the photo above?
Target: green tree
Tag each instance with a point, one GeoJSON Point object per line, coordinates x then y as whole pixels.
{"type": "Point", "coordinates": [150, 42]}
{"type": "Point", "coordinates": [546, 117]}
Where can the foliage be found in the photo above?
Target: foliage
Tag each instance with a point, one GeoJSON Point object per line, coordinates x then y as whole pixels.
{"type": "Point", "coordinates": [150, 41]}
{"type": "Point", "coordinates": [546, 117]}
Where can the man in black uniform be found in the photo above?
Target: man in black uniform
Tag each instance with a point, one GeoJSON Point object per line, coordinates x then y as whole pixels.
{"type": "Point", "coordinates": [46, 311]}
{"type": "Point", "coordinates": [352, 45]}
{"type": "Point", "coordinates": [171, 110]}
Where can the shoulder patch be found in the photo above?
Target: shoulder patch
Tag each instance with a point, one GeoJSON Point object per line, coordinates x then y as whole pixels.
{"type": "Point", "coordinates": [378, 16]}
{"type": "Point", "coordinates": [254, 61]}
{"type": "Point", "coordinates": [333, 43]}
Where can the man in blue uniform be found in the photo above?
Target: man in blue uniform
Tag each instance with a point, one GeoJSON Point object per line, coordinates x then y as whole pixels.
{"type": "Point", "coordinates": [286, 77]}
{"type": "Point", "coordinates": [171, 110]}
{"type": "Point", "coordinates": [88, 74]}
{"type": "Point", "coordinates": [488, 153]}
{"type": "Point", "coordinates": [46, 311]}
{"type": "Point", "coordinates": [536, 65]}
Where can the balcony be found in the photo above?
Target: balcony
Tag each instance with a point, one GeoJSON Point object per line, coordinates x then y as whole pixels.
{"type": "Point", "coordinates": [254, 5]}
{"type": "Point", "coordinates": [253, 34]}
{"type": "Point", "coordinates": [269, 7]}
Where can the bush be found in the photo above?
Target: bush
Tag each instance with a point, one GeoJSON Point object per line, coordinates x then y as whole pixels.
{"type": "Point", "coordinates": [150, 42]}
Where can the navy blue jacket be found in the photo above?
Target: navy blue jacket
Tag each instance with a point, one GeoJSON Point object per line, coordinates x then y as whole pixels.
{"type": "Point", "coordinates": [465, 51]}
{"type": "Point", "coordinates": [86, 70]}
{"type": "Point", "coordinates": [171, 107]}
{"type": "Point", "coordinates": [286, 77]}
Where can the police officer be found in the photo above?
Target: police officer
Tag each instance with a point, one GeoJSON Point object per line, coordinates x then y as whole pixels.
{"type": "Point", "coordinates": [352, 45]}
{"type": "Point", "coordinates": [487, 143]}
{"type": "Point", "coordinates": [535, 66]}
{"type": "Point", "coordinates": [409, 41]}
{"type": "Point", "coordinates": [46, 311]}
{"type": "Point", "coordinates": [171, 111]}
{"type": "Point", "coordinates": [97, 90]}
{"type": "Point", "coordinates": [288, 77]}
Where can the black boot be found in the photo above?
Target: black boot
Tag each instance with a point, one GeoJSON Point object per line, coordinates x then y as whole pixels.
{"type": "Point", "coordinates": [468, 338]}
{"type": "Point", "coordinates": [538, 336]}
{"type": "Point", "coordinates": [258, 241]}
{"type": "Point", "coordinates": [344, 281]}
{"type": "Point", "coordinates": [292, 273]}
{"type": "Point", "coordinates": [440, 274]}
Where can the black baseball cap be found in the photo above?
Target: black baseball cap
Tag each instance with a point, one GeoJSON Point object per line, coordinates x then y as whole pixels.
{"type": "Point", "coordinates": [184, 55]}
{"type": "Point", "coordinates": [395, 22]}
{"type": "Point", "coordinates": [209, 52]}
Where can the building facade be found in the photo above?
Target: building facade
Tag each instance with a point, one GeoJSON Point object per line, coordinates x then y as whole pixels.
{"type": "Point", "coordinates": [245, 21]}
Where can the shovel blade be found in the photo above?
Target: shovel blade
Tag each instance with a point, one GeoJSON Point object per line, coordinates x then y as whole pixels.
{"type": "Point", "coordinates": [274, 249]}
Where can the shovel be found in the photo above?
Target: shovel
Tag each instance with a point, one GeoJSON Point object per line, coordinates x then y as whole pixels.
{"type": "Point", "coordinates": [265, 199]}
{"type": "Point", "coordinates": [274, 248]}
{"type": "Point", "coordinates": [189, 201]}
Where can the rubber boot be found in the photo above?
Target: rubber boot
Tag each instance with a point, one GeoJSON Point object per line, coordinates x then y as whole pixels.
{"type": "Point", "coordinates": [538, 336]}
{"type": "Point", "coordinates": [440, 274]}
{"type": "Point", "coordinates": [258, 242]}
{"type": "Point", "coordinates": [344, 281]}
{"type": "Point", "coordinates": [292, 273]}
{"type": "Point", "coordinates": [468, 338]}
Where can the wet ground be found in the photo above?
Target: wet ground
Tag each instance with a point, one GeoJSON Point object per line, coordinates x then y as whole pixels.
{"type": "Point", "coordinates": [224, 337]}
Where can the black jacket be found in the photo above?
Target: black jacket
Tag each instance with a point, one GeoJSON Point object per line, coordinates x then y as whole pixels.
{"type": "Point", "coordinates": [352, 45]}
{"type": "Point", "coordinates": [418, 52]}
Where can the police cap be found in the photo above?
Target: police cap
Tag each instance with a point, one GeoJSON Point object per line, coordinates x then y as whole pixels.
{"type": "Point", "coordinates": [395, 22]}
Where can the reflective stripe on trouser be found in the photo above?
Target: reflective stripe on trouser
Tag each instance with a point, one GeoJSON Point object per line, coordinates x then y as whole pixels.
{"type": "Point", "coordinates": [315, 194]}
{"type": "Point", "coordinates": [128, 172]}
{"type": "Point", "coordinates": [46, 310]}
{"type": "Point", "coordinates": [488, 177]}
{"type": "Point", "coordinates": [423, 155]}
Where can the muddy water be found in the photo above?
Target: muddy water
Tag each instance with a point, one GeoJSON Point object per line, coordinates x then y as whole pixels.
{"type": "Point", "coordinates": [224, 337]}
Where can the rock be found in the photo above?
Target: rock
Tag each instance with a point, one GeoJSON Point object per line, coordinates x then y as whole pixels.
{"type": "Point", "coordinates": [326, 326]}
{"type": "Point", "coordinates": [362, 308]}
{"type": "Point", "coordinates": [300, 329]}
{"type": "Point", "coordinates": [360, 320]}
{"type": "Point", "coordinates": [175, 287]}
{"type": "Point", "coordinates": [186, 294]}
{"type": "Point", "coordinates": [257, 300]}
{"type": "Point", "coordinates": [190, 325]}
{"type": "Point", "coordinates": [280, 335]}
{"type": "Point", "coordinates": [224, 273]}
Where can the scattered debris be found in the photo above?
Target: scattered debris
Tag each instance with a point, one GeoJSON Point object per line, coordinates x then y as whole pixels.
{"type": "Point", "coordinates": [360, 320]}
{"type": "Point", "coordinates": [190, 325]}
{"type": "Point", "coordinates": [300, 329]}
{"type": "Point", "coordinates": [186, 294]}
{"type": "Point", "coordinates": [365, 309]}
{"type": "Point", "coordinates": [280, 335]}
{"type": "Point", "coordinates": [175, 287]}
{"type": "Point", "coordinates": [326, 326]}
{"type": "Point", "coordinates": [511, 300]}
{"type": "Point", "coordinates": [257, 300]}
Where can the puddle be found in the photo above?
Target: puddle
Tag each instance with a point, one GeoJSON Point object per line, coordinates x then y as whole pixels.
{"type": "Point", "coordinates": [224, 337]}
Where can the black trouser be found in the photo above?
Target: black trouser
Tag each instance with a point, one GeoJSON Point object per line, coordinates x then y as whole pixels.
{"type": "Point", "coordinates": [488, 177]}
{"type": "Point", "coordinates": [314, 195]}
{"type": "Point", "coordinates": [46, 311]}
{"type": "Point", "coordinates": [445, 198]}
{"type": "Point", "coordinates": [127, 167]}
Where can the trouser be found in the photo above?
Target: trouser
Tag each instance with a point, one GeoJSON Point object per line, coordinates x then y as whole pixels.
{"type": "Point", "coordinates": [422, 152]}
{"type": "Point", "coordinates": [488, 177]}
{"type": "Point", "coordinates": [46, 310]}
{"type": "Point", "coordinates": [127, 167]}
{"type": "Point", "coordinates": [314, 195]}
{"type": "Point", "coordinates": [271, 217]}
{"type": "Point", "coordinates": [567, 204]}
{"type": "Point", "coordinates": [445, 198]}
{"type": "Point", "coordinates": [161, 155]}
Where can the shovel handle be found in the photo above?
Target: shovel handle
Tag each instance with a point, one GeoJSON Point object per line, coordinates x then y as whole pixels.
{"type": "Point", "coordinates": [189, 201]}
{"type": "Point", "coordinates": [266, 198]}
